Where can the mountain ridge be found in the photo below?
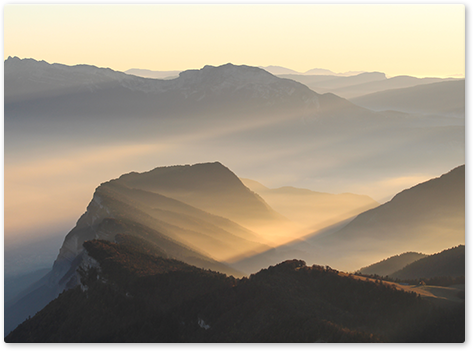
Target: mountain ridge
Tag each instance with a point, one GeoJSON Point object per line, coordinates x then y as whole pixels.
{"type": "Point", "coordinates": [205, 185]}
{"type": "Point", "coordinates": [28, 77]}
{"type": "Point", "coordinates": [163, 300]}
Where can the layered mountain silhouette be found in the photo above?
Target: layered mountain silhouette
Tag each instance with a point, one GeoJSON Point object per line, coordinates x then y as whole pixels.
{"type": "Point", "coordinates": [447, 98]}
{"type": "Point", "coordinates": [433, 209]}
{"type": "Point", "coordinates": [226, 112]}
{"type": "Point", "coordinates": [130, 293]}
{"type": "Point", "coordinates": [147, 73]}
{"type": "Point", "coordinates": [38, 89]}
{"type": "Point", "coordinates": [179, 209]}
{"type": "Point", "coordinates": [314, 210]}
{"type": "Point", "coordinates": [425, 218]}
{"type": "Point", "coordinates": [343, 86]}
{"type": "Point", "coordinates": [271, 126]}
{"type": "Point", "coordinates": [358, 85]}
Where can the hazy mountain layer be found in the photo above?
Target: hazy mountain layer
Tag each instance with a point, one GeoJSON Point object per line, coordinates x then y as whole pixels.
{"type": "Point", "coordinates": [360, 84]}
{"type": "Point", "coordinates": [446, 98]}
{"type": "Point", "coordinates": [329, 83]}
{"type": "Point", "coordinates": [146, 73]}
{"type": "Point", "coordinates": [431, 210]}
{"type": "Point", "coordinates": [314, 210]}
{"type": "Point", "coordinates": [36, 89]}
{"type": "Point", "coordinates": [211, 187]}
{"type": "Point", "coordinates": [427, 218]}
{"type": "Point", "coordinates": [391, 264]}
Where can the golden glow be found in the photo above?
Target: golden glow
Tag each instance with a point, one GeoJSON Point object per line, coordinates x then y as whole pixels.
{"type": "Point", "coordinates": [62, 185]}
{"type": "Point", "coordinates": [418, 40]}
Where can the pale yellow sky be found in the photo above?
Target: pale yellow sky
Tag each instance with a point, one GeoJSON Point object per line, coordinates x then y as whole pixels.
{"type": "Point", "coordinates": [418, 40]}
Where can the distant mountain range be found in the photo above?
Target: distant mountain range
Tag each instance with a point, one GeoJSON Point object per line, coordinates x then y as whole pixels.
{"type": "Point", "coordinates": [445, 97]}
{"type": "Point", "coordinates": [276, 70]}
{"type": "Point", "coordinates": [37, 88]}
{"type": "Point", "coordinates": [146, 73]}
{"type": "Point", "coordinates": [239, 108]}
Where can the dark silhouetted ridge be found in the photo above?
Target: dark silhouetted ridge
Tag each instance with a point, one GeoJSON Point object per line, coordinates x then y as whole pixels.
{"type": "Point", "coordinates": [128, 295]}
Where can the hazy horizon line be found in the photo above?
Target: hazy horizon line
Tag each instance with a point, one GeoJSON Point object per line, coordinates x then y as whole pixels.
{"type": "Point", "coordinates": [457, 75]}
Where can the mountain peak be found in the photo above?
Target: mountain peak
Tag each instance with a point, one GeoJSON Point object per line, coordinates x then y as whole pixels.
{"type": "Point", "coordinates": [243, 83]}
{"type": "Point", "coordinates": [187, 178]}
{"type": "Point", "coordinates": [209, 186]}
{"type": "Point", "coordinates": [239, 73]}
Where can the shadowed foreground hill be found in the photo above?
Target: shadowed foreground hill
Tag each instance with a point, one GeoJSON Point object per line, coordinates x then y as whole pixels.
{"type": "Point", "coordinates": [129, 295]}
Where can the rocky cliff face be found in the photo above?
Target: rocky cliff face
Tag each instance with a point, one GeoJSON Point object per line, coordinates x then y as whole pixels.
{"type": "Point", "coordinates": [166, 204]}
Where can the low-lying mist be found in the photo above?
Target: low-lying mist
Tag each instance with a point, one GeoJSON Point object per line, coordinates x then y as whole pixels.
{"type": "Point", "coordinates": [53, 185]}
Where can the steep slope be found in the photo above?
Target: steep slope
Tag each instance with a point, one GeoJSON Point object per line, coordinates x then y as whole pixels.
{"type": "Point", "coordinates": [391, 264]}
{"type": "Point", "coordinates": [128, 295]}
{"type": "Point", "coordinates": [152, 201]}
{"type": "Point", "coordinates": [211, 187]}
{"type": "Point", "coordinates": [436, 204]}
{"type": "Point", "coordinates": [448, 263]}
{"type": "Point", "coordinates": [427, 218]}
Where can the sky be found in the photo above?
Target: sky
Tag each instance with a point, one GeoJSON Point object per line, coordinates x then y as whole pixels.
{"type": "Point", "coordinates": [418, 40]}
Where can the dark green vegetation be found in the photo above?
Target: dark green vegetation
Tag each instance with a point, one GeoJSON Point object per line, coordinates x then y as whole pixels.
{"type": "Point", "coordinates": [131, 294]}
